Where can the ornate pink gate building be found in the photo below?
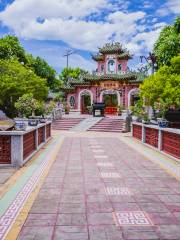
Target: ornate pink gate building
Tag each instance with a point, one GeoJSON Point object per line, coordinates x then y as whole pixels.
{"type": "Point", "coordinates": [112, 77]}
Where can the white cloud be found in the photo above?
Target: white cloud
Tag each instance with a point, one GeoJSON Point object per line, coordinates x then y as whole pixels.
{"type": "Point", "coordinates": [170, 7]}
{"type": "Point", "coordinates": [65, 20]}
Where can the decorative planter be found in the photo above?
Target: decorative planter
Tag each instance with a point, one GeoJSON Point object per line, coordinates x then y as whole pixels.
{"type": "Point", "coordinates": [32, 122]}
{"type": "Point", "coordinates": [42, 120]}
{"type": "Point", "coordinates": [163, 123]}
{"type": "Point", "coordinates": [134, 118]}
{"type": "Point", "coordinates": [20, 126]}
{"type": "Point", "coordinates": [145, 122]}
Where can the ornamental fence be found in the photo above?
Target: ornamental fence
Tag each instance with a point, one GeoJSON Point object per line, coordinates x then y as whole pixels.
{"type": "Point", "coordinates": [166, 140]}
{"type": "Point", "coordinates": [17, 147]}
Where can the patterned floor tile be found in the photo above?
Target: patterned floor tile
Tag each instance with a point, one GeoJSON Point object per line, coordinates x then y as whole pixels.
{"type": "Point", "coordinates": [104, 164]}
{"type": "Point", "coordinates": [98, 151]}
{"type": "Point", "coordinates": [101, 156]}
{"type": "Point", "coordinates": [118, 191]}
{"type": "Point", "coordinates": [135, 218]}
{"type": "Point", "coordinates": [110, 175]}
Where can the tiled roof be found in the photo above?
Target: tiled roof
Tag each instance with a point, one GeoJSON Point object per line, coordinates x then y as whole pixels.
{"type": "Point", "coordinates": [97, 57]}
{"type": "Point", "coordinates": [111, 48]}
{"type": "Point", "coordinates": [94, 77]}
{"type": "Point", "coordinates": [125, 55]}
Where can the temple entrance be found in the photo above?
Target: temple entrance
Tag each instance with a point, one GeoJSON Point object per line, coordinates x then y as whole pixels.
{"type": "Point", "coordinates": [111, 102]}
{"type": "Point", "coordinates": [85, 104]}
{"type": "Point", "coordinates": [112, 99]}
{"type": "Point", "coordinates": [133, 97]}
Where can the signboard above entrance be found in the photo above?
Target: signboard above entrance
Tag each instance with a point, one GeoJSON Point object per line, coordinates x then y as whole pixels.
{"type": "Point", "coordinates": [109, 85]}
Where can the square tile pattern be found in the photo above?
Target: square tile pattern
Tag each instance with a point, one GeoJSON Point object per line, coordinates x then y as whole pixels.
{"type": "Point", "coordinates": [104, 164]}
{"type": "Point", "coordinates": [110, 175]}
{"type": "Point", "coordinates": [133, 218]}
{"type": "Point", "coordinates": [98, 151]}
{"type": "Point", "coordinates": [101, 156]}
{"type": "Point", "coordinates": [118, 191]}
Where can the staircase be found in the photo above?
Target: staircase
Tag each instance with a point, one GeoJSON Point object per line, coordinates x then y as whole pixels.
{"type": "Point", "coordinates": [66, 123]}
{"type": "Point", "coordinates": [109, 124]}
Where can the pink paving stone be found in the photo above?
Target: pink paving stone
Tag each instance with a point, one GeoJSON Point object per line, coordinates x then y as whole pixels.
{"type": "Point", "coordinates": [163, 218]}
{"type": "Point", "coordinates": [99, 207]}
{"type": "Point", "coordinates": [40, 220]}
{"type": "Point", "coordinates": [106, 232]}
{"type": "Point", "coordinates": [71, 233]}
{"type": "Point", "coordinates": [70, 219]}
{"type": "Point", "coordinates": [100, 218]}
{"type": "Point", "coordinates": [169, 232]}
{"type": "Point", "coordinates": [74, 194]}
{"type": "Point", "coordinates": [36, 232]}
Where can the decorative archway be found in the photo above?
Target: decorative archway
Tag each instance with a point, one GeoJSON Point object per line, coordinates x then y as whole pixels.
{"type": "Point", "coordinates": [133, 91]}
{"type": "Point", "coordinates": [83, 93]}
{"type": "Point", "coordinates": [111, 92]}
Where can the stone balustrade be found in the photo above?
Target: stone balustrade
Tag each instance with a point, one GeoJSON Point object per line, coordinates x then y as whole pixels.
{"type": "Point", "coordinates": [17, 147]}
{"type": "Point", "coordinates": [166, 140]}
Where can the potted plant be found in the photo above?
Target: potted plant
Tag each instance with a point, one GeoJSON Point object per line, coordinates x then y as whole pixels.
{"type": "Point", "coordinates": [119, 109]}
{"type": "Point", "coordinates": [145, 118]}
{"type": "Point", "coordinates": [26, 106]}
{"type": "Point", "coordinates": [161, 108]}
{"type": "Point", "coordinates": [137, 111]}
{"type": "Point", "coordinates": [89, 109]}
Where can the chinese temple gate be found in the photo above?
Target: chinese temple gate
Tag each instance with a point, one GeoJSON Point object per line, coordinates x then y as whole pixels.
{"type": "Point", "coordinates": [112, 82]}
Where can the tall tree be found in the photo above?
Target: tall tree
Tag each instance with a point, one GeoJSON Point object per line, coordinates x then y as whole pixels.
{"type": "Point", "coordinates": [10, 47]}
{"type": "Point", "coordinates": [16, 80]}
{"type": "Point", "coordinates": [43, 70]}
{"type": "Point", "coordinates": [74, 73]}
{"type": "Point", "coordinates": [163, 86]}
{"type": "Point", "coordinates": [168, 44]}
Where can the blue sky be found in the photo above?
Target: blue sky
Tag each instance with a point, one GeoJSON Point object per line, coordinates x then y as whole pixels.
{"type": "Point", "coordinates": [47, 28]}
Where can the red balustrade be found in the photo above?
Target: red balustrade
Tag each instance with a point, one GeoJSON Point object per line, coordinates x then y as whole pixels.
{"type": "Point", "coordinates": [29, 143]}
{"type": "Point", "coordinates": [48, 131]}
{"type": "Point", "coordinates": [137, 131]}
{"type": "Point", "coordinates": [171, 143]}
{"type": "Point", "coordinates": [40, 135]}
{"type": "Point", "coordinates": [5, 149]}
{"type": "Point", "coordinates": [151, 136]}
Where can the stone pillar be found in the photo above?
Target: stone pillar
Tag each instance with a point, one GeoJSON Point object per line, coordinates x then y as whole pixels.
{"type": "Point", "coordinates": [36, 139]}
{"type": "Point", "coordinates": [143, 134]}
{"type": "Point", "coordinates": [160, 140]}
{"type": "Point", "coordinates": [17, 150]}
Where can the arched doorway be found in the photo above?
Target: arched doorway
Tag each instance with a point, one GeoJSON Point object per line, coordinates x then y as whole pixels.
{"type": "Point", "coordinates": [133, 97]}
{"type": "Point", "coordinates": [111, 99]}
{"type": "Point", "coordinates": [85, 101]}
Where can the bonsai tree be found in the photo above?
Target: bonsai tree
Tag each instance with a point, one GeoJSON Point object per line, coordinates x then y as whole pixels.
{"type": "Point", "coordinates": [27, 105]}
{"type": "Point", "coordinates": [162, 107]}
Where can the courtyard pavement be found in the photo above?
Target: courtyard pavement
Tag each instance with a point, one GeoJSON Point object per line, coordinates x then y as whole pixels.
{"type": "Point", "coordinates": [97, 187]}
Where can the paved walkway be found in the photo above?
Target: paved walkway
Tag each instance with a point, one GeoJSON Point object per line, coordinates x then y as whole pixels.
{"type": "Point", "coordinates": [99, 188]}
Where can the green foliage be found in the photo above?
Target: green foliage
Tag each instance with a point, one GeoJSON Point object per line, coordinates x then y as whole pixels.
{"type": "Point", "coordinates": [138, 109]}
{"type": "Point", "coordinates": [10, 48]}
{"type": "Point", "coordinates": [161, 107]}
{"type": "Point", "coordinates": [44, 109]}
{"type": "Point", "coordinates": [26, 105]}
{"type": "Point", "coordinates": [74, 73]}
{"type": "Point", "coordinates": [168, 44]}
{"type": "Point", "coordinates": [164, 86]}
{"type": "Point", "coordinates": [43, 70]}
{"type": "Point", "coordinates": [17, 80]}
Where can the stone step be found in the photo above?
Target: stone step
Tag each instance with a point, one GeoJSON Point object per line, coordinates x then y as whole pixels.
{"type": "Point", "coordinates": [109, 125]}
{"type": "Point", "coordinates": [66, 123]}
